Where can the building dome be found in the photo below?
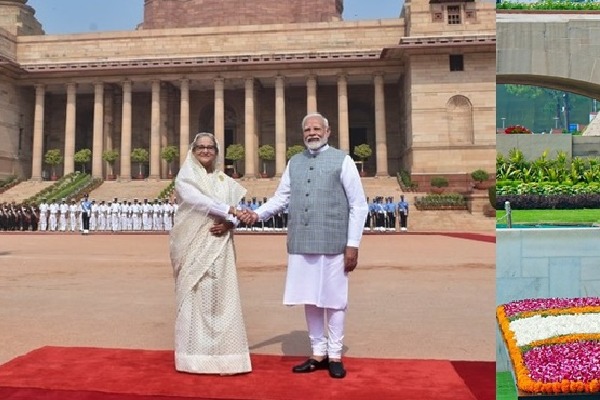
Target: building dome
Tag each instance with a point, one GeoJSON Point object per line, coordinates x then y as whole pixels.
{"type": "Point", "coordinates": [161, 14]}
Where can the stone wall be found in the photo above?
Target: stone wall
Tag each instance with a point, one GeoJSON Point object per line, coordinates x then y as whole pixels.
{"type": "Point", "coordinates": [476, 17]}
{"type": "Point", "coordinates": [541, 263]}
{"type": "Point", "coordinates": [210, 42]}
{"type": "Point", "coordinates": [15, 131]}
{"type": "Point", "coordinates": [533, 146]}
{"type": "Point", "coordinates": [19, 19]}
{"type": "Point", "coordinates": [438, 146]}
{"type": "Point", "coordinates": [161, 14]}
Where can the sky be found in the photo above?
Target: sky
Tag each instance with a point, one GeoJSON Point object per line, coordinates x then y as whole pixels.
{"type": "Point", "coordinates": [78, 16]}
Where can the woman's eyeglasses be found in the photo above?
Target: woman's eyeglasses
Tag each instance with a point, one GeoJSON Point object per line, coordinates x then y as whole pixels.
{"type": "Point", "coordinates": [201, 148]}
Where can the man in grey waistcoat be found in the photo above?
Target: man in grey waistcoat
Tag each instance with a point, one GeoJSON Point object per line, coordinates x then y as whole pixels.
{"type": "Point", "coordinates": [327, 211]}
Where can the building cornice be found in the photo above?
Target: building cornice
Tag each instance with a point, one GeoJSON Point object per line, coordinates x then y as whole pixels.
{"type": "Point", "coordinates": [183, 63]}
{"type": "Point", "coordinates": [424, 43]}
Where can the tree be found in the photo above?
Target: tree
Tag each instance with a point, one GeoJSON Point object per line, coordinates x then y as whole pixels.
{"type": "Point", "coordinates": [363, 152]}
{"type": "Point", "coordinates": [83, 157]}
{"type": "Point", "coordinates": [293, 150]}
{"type": "Point", "coordinates": [110, 156]}
{"type": "Point", "coordinates": [169, 154]}
{"type": "Point", "coordinates": [266, 153]}
{"type": "Point", "coordinates": [139, 156]}
{"type": "Point", "coordinates": [235, 153]}
{"type": "Point", "coordinates": [53, 157]}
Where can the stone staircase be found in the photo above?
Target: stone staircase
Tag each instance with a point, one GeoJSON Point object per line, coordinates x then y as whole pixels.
{"type": "Point", "coordinates": [23, 190]}
{"type": "Point", "coordinates": [386, 187]}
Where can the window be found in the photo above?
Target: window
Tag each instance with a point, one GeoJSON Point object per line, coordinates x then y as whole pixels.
{"type": "Point", "coordinates": [453, 15]}
{"type": "Point", "coordinates": [457, 62]}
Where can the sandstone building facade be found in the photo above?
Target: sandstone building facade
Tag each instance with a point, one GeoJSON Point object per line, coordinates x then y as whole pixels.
{"type": "Point", "coordinates": [419, 89]}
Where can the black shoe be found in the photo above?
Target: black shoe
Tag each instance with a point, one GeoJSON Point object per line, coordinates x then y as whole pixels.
{"type": "Point", "coordinates": [336, 369]}
{"type": "Point", "coordinates": [311, 365]}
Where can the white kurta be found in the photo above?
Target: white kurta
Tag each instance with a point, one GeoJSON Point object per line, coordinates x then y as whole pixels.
{"type": "Point", "coordinates": [320, 279]}
{"type": "Point", "coordinates": [210, 336]}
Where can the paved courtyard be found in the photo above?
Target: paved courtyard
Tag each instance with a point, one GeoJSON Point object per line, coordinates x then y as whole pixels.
{"type": "Point", "coordinates": [412, 296]}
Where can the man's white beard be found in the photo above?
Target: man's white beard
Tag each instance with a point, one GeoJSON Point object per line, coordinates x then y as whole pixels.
{"type": "Point", "coordinates": [315, 145]}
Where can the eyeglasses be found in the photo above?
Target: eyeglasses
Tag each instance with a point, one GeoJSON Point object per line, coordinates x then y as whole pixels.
{"type": "Point", "coordinates": [200, 148]}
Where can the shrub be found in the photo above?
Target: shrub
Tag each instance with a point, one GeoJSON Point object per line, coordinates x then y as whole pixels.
{"type": "Point", "coordinates": [83, 157]}
{"type": "Point", "coordinates": [110, 156]}
{"type": "Point", "coordinates": [293, 150]}
{"type": "Point", "coordinates": [480, 175]}
{"type": "Point", "coordinates": [53, 157]}
{"type": "Point", "coordinates": [439, 181]}
{"type": "Point", "coordinates": [235, 153]}
{"type": "Point", "coordinates": [266, 152]}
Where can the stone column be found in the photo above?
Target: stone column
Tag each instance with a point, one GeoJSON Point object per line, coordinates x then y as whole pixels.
{"type": "Point", "coordinates": [219, 120]}
{"type": "Point", "coordinates": [126, 133]}
{"type": "Point", "coordinates": [250, 133]}
{"type": "Point", "coordinates": [344, 130]}
{"type": "Point", "coordinates": [184, 120]}
{"type": "Point", "coordinates": [163, 140]}
{"type": "Point", "coordinates": [38, 133]}
{"type": "Point", "coordinates": [311, 94]}
{"type": "Point", "coordinates": [98, 130]}
{"type": "Point", "coordinates": [280, 123]}
{"type": "Point", "coordinates": [380, 129]}
{"type": "Point", "coordinates": [155, 132]}
{"type": "Point", "coordinates": [69, 165]}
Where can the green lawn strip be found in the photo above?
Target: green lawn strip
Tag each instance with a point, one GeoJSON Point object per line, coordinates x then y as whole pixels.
{"type": "Point", "coordinates": [505, 386]}
{"type": "Point", "coordinates": [551, 216]}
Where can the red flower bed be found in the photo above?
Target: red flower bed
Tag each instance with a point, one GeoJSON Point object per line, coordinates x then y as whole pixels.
{"type": "Point", "coordinates": [516, 129]}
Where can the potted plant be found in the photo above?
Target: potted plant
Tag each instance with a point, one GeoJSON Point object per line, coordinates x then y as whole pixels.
{"type": "Point", "coordinates": [53, 157]}
{"type": "Point", "coordinates": [110, 156]}
{"type": "Point", "coordinates": [83, 157]}
{"type": "Point", "coordinates": [235, 153]}
{"type": "Point", "coordinates": [139, 156]}
{"type": "Point", "coordinates": [438, 183]}
{"type": "Point", "coordinates": [480, 176]}
{"type": "Point", "coordinates": [169, 154]}
{"type": "Point", "coordinates": [266, 152]}
{"type": "Point", "coordinates": [363, 152]}
{"type": "Point", "coordinates": [293, 150]}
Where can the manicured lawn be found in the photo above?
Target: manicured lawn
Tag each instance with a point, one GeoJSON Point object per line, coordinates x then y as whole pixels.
{"type": "Point", "coordinates": [551, 216]}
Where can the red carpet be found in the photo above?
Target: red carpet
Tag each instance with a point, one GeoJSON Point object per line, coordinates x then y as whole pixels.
{"type": "Point", "coordinates": [66, 373]}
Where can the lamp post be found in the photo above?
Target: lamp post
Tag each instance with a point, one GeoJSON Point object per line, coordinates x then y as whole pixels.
{"type": "Point", "coordinates": [503, 120]}
{"type": "Point", "coordinates": [555, 122]}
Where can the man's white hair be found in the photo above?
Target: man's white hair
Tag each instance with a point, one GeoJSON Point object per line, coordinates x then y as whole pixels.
{"type": "Point", "coordinates": [317, 115]}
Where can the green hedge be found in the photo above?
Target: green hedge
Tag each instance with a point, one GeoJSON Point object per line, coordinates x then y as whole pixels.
{"type": "Point", "coordinates": [440, 201]}
{"type": "Point", "coordinates": [549, 5]}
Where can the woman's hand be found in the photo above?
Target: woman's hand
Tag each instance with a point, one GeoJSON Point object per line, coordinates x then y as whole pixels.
{"type": "Point", "coordinates": [220, 227]}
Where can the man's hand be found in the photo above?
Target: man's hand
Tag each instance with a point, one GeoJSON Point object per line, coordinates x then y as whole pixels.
{"type": "Point", "coordinates": [220, 227]}
{"type": "Point", "coordinates": [350, 258]}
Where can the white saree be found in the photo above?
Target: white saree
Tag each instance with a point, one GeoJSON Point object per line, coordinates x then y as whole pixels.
{"type": "Point", "coordinates": [210, 336]}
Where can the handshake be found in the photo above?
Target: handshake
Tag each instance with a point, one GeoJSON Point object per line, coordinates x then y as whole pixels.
{"type": "Point", "coordinates": [247, 216]}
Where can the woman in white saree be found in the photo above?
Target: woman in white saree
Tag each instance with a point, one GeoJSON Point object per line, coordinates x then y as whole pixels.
{"type": "Point", "coordinates": [210, 336]}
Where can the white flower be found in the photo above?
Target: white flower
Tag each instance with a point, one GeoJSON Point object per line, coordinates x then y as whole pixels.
{"type": "Point", "coordinates": [528, 330]}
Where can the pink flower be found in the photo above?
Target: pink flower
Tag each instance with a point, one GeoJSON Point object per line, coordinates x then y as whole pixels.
{"type": "Point", "coordinates": [578, 361]}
